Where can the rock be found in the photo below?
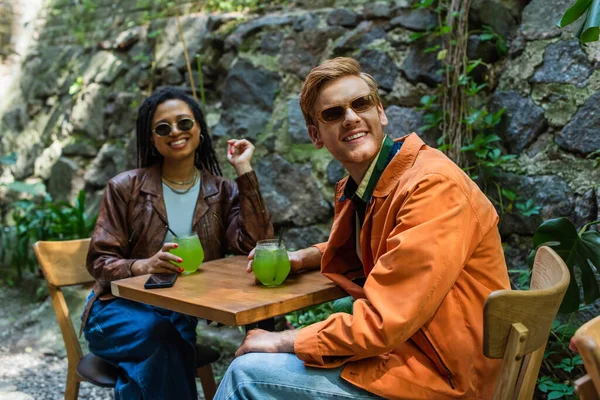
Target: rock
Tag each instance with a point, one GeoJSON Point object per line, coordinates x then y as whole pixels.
{"type": "Point", "coordinates": [291, 194]}
{"type": "Point", "coordinates": [502, 15]}
{"type": "Point", "coordinates": [379, 65]}
{"type": "Point", "coordinates": [26, 157]}
{"type": "Point", "coordinates": [343, 17]}
{"type": "Point", "coordinates": [305, 22]}
{"type": "Point", "coordinates": [80, 148]}
{"type": "Point", "coordinates": [485, 50]}
{"type": "Point", "coordinates": [128, 38]}
{"type": "Point", "coordinates": [86, 116]}
{"type": "Point", "coordinates": [109, 162]}
{"type": "Point", "coordinates": [414, 19]}
{"type": "Point", "coordinates": [254, 25]}
{"type": "Point", "coordinates": [522, 122]}
{"type": "Point", "coordinates": [15, 396]}
{"type": "Point", "coordinates": [335, 172]}
{"type": "Point", "coordinates": [15, 119]}
{"type": "Point", "coordinates": [582, 133]}
{"type": "Point", "coordinates": [65, 181]}
{"type": "Point", "coordinates": [420, 66]}
{"type": "Point", "coordinates": [540, 16]}
{"type": "Point", "coordinates": [248, 98]}
{"type": "Point", "coordinates": [550, 192]}
{"type": "Point", "coordinates": [104, 67]}
{"type": "Point", "coordinates": [377, 10]}
{"type": "Point", "coordinates": [296, 60]}
{"type": "Point", "coordinates": [139, 75]}
{"type": "Point", "coordinates": [270, 43]}
{"type": "Point", "coordinates": [585, 209]}
{"type": "Point", "coordinates": [402, 121]}
{"type": "Point", "coordinates": [171, 76]}
{"type": "Point", "coordinates": [301, 238]}
{"type": "Point", "coordinates": [169, 50]}
{"type": "Point", "coordinates": [43, 164]}
{"type": "Point", "coordinates": [43, 75]}
{"type": "Point", "coordinates": [405, 94]}
{"type": "Point", "coordinates": [366, 32]}
{"type": "Point", "coordinates": [121, 114]}
{"type": "Point", "coordinates": [564, 62]}
{"type": "Point", "coordinates": [296, 124]}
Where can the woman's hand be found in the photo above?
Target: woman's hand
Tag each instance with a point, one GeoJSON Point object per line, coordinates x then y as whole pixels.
{"type": "Point", "coordinates": [239, 154]}
{"type": "Point", "coordinates": [158, 263]}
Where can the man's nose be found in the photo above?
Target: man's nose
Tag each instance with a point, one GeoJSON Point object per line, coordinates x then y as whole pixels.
{"type": "Point", "coordinates": [350, 117]}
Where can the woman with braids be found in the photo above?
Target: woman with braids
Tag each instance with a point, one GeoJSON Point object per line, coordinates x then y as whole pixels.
{"type": "Point", "coordinates": [178, 187]}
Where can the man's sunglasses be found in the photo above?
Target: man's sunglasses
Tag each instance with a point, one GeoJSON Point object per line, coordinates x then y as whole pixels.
{"type": "Point", "coordinates": [164, 129]}
{"type": "Point", "coordinates": [359, 105]}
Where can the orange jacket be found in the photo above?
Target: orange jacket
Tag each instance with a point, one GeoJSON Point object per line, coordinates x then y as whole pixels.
{"type": "Point", "coordinates": [432, 255]}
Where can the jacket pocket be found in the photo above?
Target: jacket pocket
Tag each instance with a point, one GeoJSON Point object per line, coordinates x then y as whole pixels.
{"type": "Point", "coordinates": [426, 344]}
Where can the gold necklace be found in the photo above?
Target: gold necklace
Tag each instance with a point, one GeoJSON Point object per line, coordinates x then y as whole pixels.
{"type": "Point", "coordinates": [182, 183]}
{"type": "Point", "coordinates": [183, 191]}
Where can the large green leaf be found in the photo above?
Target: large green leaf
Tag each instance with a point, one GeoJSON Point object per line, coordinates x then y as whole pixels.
{"type": "Point", "coordinates": [580, 250]}
{"type": "Point", "coordinates": [573, 13]}
{"type": "Point", "coordinates": [591, 28]}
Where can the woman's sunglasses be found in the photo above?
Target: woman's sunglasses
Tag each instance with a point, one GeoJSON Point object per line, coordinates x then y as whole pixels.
{"type": "Point", "coordinates": [164, 129]}
{"type": "Point", "coordinates": [359, 105]}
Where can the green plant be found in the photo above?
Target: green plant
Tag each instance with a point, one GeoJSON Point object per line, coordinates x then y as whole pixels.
{"type": "Point", "coordinates": [579, 250]}
{"type": "Point", "coordinates": [44, 220]}
{"type": "Point", "coordinates": [311, 315]}
{"type": "Point", "coordinates": [590, 28]}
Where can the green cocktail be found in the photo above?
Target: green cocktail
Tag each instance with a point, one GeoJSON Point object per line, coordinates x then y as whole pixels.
{"type": "Point", "coordinates": [271, 264]}
{"type": "Point", "coordinates": [190, 251]}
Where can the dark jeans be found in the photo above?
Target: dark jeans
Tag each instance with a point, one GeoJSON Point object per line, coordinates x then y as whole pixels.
{"type": "Point", "coordinates": [153, 347]}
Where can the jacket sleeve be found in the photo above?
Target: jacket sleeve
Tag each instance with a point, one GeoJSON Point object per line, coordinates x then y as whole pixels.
{"type": "Point", "coordinates": [248, 220]}
{"type": "Point", "coordinates": [436, 230]}
{"type": "Point", "coordinates": [107, 256]}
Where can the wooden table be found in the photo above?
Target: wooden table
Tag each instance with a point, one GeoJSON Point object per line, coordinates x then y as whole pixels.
{"type": "Point", "coordinates": [222, 291]}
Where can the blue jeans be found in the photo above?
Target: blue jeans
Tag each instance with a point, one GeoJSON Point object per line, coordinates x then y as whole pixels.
{"type": "Point", "coordinates": [154, 348]}
{"type": "Point", "coordinates": [279, 376]}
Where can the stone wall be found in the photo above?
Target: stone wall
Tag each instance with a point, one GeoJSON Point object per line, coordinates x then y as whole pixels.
{"type": "Point", "coordinates": [70, 114]}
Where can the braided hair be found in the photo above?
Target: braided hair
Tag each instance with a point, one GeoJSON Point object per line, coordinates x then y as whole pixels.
{"type": "Point", "coordinates": [205, 156]}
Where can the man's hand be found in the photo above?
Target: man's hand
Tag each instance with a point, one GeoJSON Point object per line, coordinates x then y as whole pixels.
{"type": "Point", "coordinates": [295, 261]}
{"type": "Point", "coordinates": [160, 263]}
{"type": "Point", "coordinates": [261, 341]}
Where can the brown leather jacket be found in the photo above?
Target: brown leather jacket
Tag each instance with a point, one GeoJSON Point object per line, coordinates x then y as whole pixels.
{"type": "Point", "coordinates": [230, 217]}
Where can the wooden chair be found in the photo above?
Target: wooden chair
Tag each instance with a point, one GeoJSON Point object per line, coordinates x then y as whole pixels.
{"type": "Point", "coordinates": [517, 325]}
{"type": "Point", "coordinates": [587, 340]}
{"type": "Point", "coordinates": [63, 264]}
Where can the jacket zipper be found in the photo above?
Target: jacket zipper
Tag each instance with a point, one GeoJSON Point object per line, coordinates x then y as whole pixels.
{"type": "Point", "coordinates": [448, 374]}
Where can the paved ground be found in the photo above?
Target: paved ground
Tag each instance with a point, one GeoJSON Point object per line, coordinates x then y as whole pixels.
{"type": "Point", "coordinates": [33, 360]}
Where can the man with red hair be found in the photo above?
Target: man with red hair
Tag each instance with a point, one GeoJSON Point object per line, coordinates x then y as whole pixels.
{"type": "Point", "coordinates": [414, 241]}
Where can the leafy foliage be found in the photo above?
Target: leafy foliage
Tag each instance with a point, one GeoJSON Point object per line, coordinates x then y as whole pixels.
{"type": "Point", "coordinates": [590, 28]}
{"type": "Point", "coordinates": [45, 220]}
{"type": "Point", "coordinates": [579, 250]}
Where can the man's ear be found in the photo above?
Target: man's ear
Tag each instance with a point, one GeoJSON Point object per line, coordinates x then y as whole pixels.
{"type": "Point", "coordinates": [382, 117]}
{"type": "Point", "coordinates": [313, 132]}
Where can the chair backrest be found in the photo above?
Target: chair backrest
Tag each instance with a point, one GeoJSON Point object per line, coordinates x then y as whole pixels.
{"type": "Point", "coordinates": [517, 324]}
{"type": "Point", "coordinates": [63, 264]}
{"type": "Point", "coordinates": [587, 340]}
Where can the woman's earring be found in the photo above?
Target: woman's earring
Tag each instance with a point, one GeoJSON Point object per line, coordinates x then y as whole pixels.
{"type": "Point", "coordinates": [201, 138]}
{"type": "Point", "coordinates": [153, 150]}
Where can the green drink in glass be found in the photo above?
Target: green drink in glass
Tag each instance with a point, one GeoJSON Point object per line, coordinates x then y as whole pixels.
{"type": "Point", "coordinates": [190, 251]}
{"type": "Point", "coordinates": [271, 264]}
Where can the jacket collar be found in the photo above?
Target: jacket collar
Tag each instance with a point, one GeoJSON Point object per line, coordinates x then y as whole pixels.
{"type": "Point", "coordinates": [391, 175]}
{"type": "Point", "coordinates": [152, 183]}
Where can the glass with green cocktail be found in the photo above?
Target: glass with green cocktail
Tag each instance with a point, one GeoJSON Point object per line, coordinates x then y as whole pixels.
{"type": "Point", "coordinates": [190, 250]}
{"type": "Point", "coordinates": [271, 264]}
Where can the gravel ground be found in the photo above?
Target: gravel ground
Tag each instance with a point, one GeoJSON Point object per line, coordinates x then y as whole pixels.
{"type": "Point", "coordinates": [33, 363]}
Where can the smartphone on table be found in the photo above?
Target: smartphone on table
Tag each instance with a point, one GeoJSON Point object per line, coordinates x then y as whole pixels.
{"type": "Point", "coordinates": [156, 281]}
